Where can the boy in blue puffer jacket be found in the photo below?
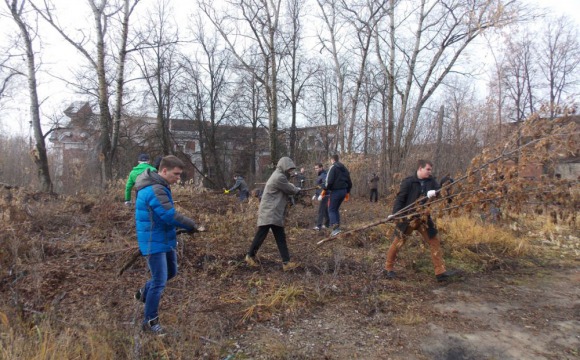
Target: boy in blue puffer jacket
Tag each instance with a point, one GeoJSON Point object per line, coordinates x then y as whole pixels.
{"type": "Point", "coordinates": [156, 221]}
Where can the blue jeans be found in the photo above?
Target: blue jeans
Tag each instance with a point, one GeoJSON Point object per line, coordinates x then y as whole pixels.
{"type": "Point", "coordinates": [336, 198]}
{"type": "Point", "coordinates": [163, 266]}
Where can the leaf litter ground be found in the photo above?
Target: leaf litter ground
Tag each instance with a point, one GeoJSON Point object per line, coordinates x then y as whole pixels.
{"type": "Point", "coordinates": [62, 256]}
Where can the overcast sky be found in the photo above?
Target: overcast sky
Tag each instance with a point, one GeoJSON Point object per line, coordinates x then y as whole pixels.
{"type": "Point", "coordinates": [62, 57]}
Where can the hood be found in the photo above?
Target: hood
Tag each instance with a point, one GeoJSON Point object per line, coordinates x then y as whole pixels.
{"type": "Point", "coordinates": [285, 164]}
{"type": "Point", "coordinates": [148, 178]}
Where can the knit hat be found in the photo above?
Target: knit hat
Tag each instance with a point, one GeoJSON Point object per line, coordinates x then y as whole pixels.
{"type": "Point", "coordinates": [143, 157]}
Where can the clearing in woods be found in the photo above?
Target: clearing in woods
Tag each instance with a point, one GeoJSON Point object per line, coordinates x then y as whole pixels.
{"type": "Point", "coordinates": [60, 259]}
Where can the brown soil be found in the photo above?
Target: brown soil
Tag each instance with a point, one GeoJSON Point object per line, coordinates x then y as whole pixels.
{"type": "Point", "coordinates": [63, 271]}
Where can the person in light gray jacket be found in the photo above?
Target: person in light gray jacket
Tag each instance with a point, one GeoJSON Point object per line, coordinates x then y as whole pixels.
{"type": "Point", "coordinates": [272, 212]}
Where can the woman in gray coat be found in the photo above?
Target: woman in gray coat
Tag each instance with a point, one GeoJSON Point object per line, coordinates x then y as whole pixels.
{"type": "Point", "coordinates": [272, 212]}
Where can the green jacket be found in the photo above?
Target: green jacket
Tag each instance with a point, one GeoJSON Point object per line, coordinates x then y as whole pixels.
{"type": "Point", "coordinates": [137, 170]}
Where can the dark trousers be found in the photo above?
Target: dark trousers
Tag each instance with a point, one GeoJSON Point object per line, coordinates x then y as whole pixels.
{"type": "Point", "coordinates": [323, 213]}
{"type": "Point", "coordinates": [336, 198]}
{"type": "Point", "coordinates": [244, 195]}
{"type": "Point", "coordinates": [280, 237]}
{"type": "Point", "coordinates": [375, 194]}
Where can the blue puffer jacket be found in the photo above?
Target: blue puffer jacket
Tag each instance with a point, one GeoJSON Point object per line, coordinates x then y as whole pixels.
{"type": "Point", "coordinates": [155, 216]}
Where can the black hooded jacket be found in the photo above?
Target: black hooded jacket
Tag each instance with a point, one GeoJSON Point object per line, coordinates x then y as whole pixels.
{"type": "Point", "coordinates": [338, 178]}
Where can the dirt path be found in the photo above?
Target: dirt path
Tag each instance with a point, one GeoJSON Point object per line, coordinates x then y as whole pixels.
{"type": "Point", "coordinates": [510, 316]}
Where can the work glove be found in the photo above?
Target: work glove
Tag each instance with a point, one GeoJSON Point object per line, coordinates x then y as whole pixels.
{"type": "Point", "coordinates": [347, 197]}
{"type": "Point", "coordinates": [226, 191]}
{"type": "Point", "coordinates": [127, 203]}
{"type": "Point", "coordinates": [431, 193]}
{"type": "Point", "coordinates": [313, 197]}
{"type": "Point", "coordinates": [390, 217]}
{"type": "Point", "coordinates": [320, 197]}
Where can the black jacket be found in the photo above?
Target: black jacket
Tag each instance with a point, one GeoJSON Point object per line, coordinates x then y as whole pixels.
{"type": "Point", "coordinates": [409, 191]}
{"type": "Point", "coordinates": [338, 178]}
{"type": "Point", "coordinates": [320, 180]}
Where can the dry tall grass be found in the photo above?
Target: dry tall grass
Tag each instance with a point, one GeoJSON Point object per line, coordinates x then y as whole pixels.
{"type": "Point", "coordinates": [60, 297]}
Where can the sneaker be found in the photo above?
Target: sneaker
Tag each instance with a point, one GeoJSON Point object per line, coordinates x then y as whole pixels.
{"type": "Point", "coordinates": [447, 275]}
{"type": "Point", "coordinates": [336, 231]}
{"type": "Point", "coordinates": [153, 327]}
{"type": "Point", "coordinates": [139, 296]}
{"type": "Point", "coordinates": [290, 265]}
{"type": "Point", "coordinates": [316, 228]}
{"type": "Point", "coordinates": [390, 274]}
{"type": "Point", "coordinates": [251, 261]}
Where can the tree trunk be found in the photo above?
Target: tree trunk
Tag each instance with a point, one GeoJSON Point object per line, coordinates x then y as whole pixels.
{"type": "Point", "coordinates": [39, 153]}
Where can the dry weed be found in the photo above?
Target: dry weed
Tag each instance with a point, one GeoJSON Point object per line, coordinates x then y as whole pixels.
{"type": "Point", "coordinates": [284, 299]}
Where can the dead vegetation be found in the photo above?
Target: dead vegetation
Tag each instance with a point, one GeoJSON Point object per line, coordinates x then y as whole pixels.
{"type": "Point", "coordinates": [61, 296]}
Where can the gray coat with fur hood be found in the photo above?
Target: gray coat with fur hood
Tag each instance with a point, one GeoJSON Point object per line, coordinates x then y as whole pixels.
{"type": "Point", "coordinates": [272, 209]}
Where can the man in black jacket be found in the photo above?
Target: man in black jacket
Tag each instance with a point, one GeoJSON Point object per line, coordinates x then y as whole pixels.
{"type": "Point", "coordinates": [420, 185]}
{"type": "Point", "coordinates": [338, 184]}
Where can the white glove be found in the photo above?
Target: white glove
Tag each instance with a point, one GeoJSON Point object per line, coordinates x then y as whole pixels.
{"type": "Point", "coordinates": [313, 197]}
{"type": "Point", "coordinates": [127, 203]}
{"type": "Point", "coordinates": [390, 217]}
{"type": "Point", "coordinates": [319, 197]}
{"type": "Point", "coordinates": [431, 193]}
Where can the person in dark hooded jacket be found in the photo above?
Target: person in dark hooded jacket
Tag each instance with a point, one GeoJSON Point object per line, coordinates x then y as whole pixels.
{"type": "Point", "coordinates": [241, 186]}
{"type": "Point", "coordinates": [156, 222]}
{"type": "Point", "coordinates": [338, 184]}
{"type": "Point", "coordinates": [272, 213]}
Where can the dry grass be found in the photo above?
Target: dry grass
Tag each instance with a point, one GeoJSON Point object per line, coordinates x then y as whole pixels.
{"type": "Point", "coordinates": [60, 297]}
{"type": "Point", "coordinates": [466, 233]}
{"type": "Point", "coordinates": [47, 341]}
{"type": "Point", "coordinates": [410, 317]}
{"type": "Point", "coordinates": [285, 299]}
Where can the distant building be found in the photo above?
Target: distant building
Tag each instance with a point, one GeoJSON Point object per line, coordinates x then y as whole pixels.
{"type": "Point", "coordinates": [239, 149]}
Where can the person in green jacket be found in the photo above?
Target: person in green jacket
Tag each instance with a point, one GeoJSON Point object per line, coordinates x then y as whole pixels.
{"type": "Point", "coordinates": [143, 165]}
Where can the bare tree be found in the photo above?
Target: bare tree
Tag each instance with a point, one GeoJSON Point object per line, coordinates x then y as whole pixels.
{"type": "Point", "coordinates": [559, 60]}
{"type": "Point", "coordinates": [330, 14]}
{"type": "Point", "coordinates": [103, 12]}
{"type": "Point", "coordinates": [159, 67]}
{"type": "Point", "coordinates": [250, 108]}
{"type": "Point", "coordinates": [518, 75]}
{"type": "Point", "coordinates": [462, 126]}
{"type": "Point", "coordinates": [248, 26]}
{"type": "Point", "coordinates": [208, 74]}
{"type": "Point", "coordinates": [7, 75]}
{"type": "Point", "coordinates": [418, 47]}
{"type": "Point", "coordinates": [363, 17]}
{"type": "Point", "coordinates": [370, 125]}
{"type": "Point", "coordinates": [323, 110]}
{"type": "Point", "coordinates": [28, 34]}
{"type": "Point", "coordinates": [296, 66]}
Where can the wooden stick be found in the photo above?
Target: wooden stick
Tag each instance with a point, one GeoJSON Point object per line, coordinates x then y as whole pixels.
{"type": "Point", "coordinates": [132, 259]}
